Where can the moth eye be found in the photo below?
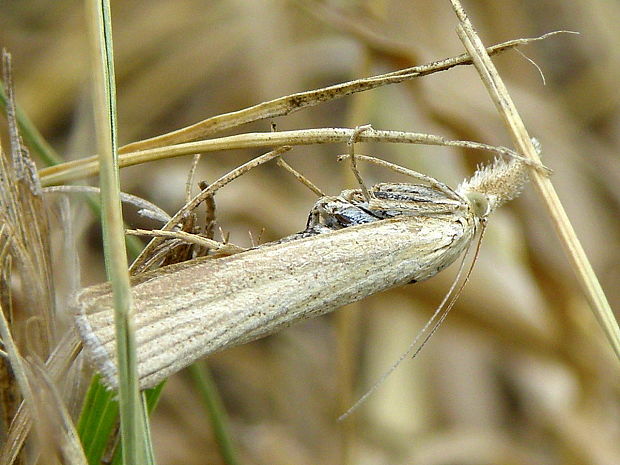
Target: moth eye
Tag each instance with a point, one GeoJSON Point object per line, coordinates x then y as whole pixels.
{"type": "Point", "coordinates": [479, 203]}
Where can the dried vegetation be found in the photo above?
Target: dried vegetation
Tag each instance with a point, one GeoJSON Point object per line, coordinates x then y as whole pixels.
{"type": "Point", "coordinates": [520, 372]}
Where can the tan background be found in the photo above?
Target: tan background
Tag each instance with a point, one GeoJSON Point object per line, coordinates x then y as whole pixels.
{"type": "Point", "coordinates": [520, 372]}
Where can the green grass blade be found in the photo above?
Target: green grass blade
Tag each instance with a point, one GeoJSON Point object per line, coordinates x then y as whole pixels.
{"type": "Point", "coordinates": [150, 397]}
{"type": "Point", "coordinates": [137, 448]}
{"type": "Point", "coordinates": [216, 411]}
{"type": "Point", "coordinates": [97, 421]}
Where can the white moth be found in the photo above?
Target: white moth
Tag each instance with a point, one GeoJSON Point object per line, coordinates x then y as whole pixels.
{"type": "Point", "coordinates": [353, 247]}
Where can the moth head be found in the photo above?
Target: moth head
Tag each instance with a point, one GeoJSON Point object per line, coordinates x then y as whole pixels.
{"type": "Point", "coordinates": [497, 183]}
{"type": "Point", "coordinates": [479, 203]}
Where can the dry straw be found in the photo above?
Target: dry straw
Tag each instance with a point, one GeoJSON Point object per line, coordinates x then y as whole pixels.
{"type": "Point", "coordinates": [523, 142]}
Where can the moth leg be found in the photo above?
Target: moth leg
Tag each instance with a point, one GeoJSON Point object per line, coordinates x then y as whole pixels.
{"type": "Point", "coordinates": [356, 133]}
{"type": "Point", "coordinates": [207, 190]}
{"type": "Point", "coordinates": [300, 177]}
{"type": "Point", "coordinates": [333, 213]}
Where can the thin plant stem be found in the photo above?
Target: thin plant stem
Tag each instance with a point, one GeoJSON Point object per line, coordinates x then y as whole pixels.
{"type": "Point", "coordinates": [89, 166]}
{"type": "Point", "coordinates": [522, 140]}
{"type": "Point", "coordinates": [291, 103]}
{"type": "Point", "coordinates": [137, 448]}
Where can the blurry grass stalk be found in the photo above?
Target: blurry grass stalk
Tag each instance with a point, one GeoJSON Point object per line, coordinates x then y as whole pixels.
{"type": "Point", "coordinates": [523, 142]}
{"type": "Point", "coordinates": [137, 448]}
{"type": "Point", "coordinates": [44, 151]}
{"type": "Point", "coordinates": [205, 385]}
{"type": "Point", "coordinates": [15, 360]}
{"type": "Point", "coordinates": [349, 319]}
{"type": "Point", "coordinates": [32, 137]}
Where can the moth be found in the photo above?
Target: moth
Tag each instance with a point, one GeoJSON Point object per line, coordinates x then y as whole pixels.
{"type": "Point", "coordinates": [354, 245]}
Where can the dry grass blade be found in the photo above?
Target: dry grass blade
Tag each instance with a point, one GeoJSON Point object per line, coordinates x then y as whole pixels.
{"type": "Point", "coordinates": [89, 166]}
{"type": "Point", "coordinates": [57, 367]}
{"type": "Point", "coordinates": [502, 100]}
{"type": "Point", "coordinates": [291, 103]}
{"type": "Point", "coordinates": [16, 361]}
{"type": "Point", "coordinates": [26, 287]}
{"type": "Point", "coordinates": [26, 224]}
{"type": "Point", "coordinates": [56, 431]}
{"type": "Point", "coordinates": [140, 152]}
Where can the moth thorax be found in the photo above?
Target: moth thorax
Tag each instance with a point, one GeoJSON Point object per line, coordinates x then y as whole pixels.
{"type": "Point", "coordinates": [498, 183]}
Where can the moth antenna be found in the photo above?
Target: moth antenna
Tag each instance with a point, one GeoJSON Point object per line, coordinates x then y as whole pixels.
{"type": "Point", "coordinates": [356, 132]}
{"type": "Point", "coordinates": [442, 312]}
{"type": "Point", "coordinates": [407, 172]}
{"type": "Point", "coordinates": [300, 177]}
{"type": "Point", "coordinates": [458, 292]}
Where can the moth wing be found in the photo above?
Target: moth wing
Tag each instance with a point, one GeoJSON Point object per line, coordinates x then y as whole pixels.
{"type": "Point", "coordinates": [187, 311]}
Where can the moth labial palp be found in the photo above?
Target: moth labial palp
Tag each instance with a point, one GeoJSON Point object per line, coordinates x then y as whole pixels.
{"type": "Point", "coordinates": [353, 246]}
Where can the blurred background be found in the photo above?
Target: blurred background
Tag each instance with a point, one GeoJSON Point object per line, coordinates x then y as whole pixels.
{"type": "Point", "coordinates": [520, 372]}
